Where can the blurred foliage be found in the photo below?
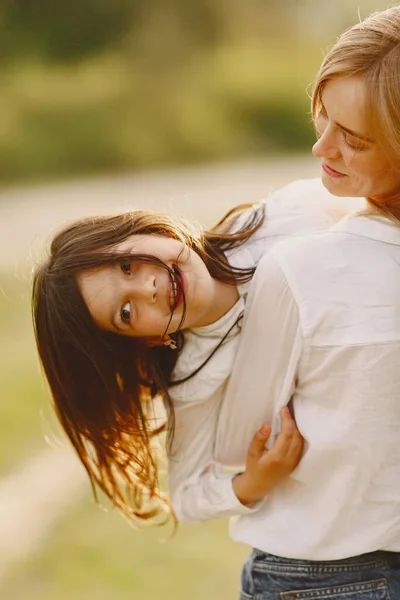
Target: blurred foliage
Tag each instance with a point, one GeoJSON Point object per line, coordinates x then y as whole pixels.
{"type": "Point", "coordinates": [66, 31]}
{"type": "Point", "coordinates": [94, 85]}
{"type": "Point", "coordinates": [74, 29]}
{"type": "Point", "coordinates": [108, 113]}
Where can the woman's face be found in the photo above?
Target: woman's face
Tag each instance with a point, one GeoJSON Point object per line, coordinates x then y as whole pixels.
{"type": "Point", "coordinates": [136, 299]}
{"type": "Point", "coordinates": [353, 163]}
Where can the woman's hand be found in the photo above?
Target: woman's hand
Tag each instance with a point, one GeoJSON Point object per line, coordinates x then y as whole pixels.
{"type": "Point", "coordinates": [266, 468]}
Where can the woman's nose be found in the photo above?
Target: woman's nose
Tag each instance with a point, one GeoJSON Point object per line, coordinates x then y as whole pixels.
{"type": "Point", "coordinates": [326, 146]}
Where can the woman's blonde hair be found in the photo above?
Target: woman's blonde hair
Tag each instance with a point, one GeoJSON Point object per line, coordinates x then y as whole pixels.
{"type": "Point", "coordinates": [371, 49]}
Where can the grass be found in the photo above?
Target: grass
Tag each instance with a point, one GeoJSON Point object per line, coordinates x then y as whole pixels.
{"type": "Point", "coordinates": [93, 555]}
{"type": "Point", "coordinates": [22, 401]}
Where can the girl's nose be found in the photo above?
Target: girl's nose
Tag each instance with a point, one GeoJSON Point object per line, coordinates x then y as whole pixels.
{"type": "Point", "coordinates": [143, 285]}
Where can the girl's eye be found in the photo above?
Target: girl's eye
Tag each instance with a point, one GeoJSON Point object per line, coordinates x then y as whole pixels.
{"type": "Point", "coordinates": [126, 313]}
{"type": "Point", "coordinates": [126, 268]}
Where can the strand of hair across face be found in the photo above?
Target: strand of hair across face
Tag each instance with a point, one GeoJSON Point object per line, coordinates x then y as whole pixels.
{"type": "Point", "coordinates": [203, 364]}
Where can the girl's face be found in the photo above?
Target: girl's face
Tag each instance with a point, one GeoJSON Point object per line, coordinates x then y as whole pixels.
{"type": "Point", "coordinates": [353, 163]}
{"type": "Point", "coordinates": [136, 299]}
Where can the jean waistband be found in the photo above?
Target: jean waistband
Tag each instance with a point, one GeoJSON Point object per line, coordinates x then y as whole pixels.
{"type": "Point", "coordinates": [372, 560]}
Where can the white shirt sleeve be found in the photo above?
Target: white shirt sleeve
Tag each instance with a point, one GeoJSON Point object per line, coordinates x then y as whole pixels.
{"type": "Point", "coordinates": [199, 489]}
{"type": "Point", "coordinates": [264, 373]}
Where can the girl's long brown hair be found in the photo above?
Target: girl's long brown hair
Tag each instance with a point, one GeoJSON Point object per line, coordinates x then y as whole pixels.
{"type": "Point", "coordinates": [103, 385]}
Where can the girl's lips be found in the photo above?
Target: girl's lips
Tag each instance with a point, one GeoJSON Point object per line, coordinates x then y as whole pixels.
{"type": "Point", "coordinates": [331, 172]}
{"type": "Point", "coordinates": [181, 288]}
{"type": "Point", "coordinates": [183, 282]}
{"type": "Point", "coordinates": [171, 293]}
{"type": "Point", "coordinates": [177, 288]}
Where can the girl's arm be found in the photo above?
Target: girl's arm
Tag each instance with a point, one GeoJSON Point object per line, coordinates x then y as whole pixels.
{"type": "Point", "coordinates": [198, 487]}
{"type": "Point", "coordinates": [200, 490]}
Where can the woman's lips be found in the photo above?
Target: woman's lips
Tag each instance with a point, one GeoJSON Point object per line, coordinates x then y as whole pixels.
{"type": "Point", "coordinates": [331, 172]}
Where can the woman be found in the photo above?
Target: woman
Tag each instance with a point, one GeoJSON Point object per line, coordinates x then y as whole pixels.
{"type": "Point", "coordinates": [322, 331]}
{"type": "Point", "coordinates": [140, 305]}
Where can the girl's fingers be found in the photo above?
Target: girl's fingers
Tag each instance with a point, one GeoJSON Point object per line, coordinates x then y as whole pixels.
{"type": "Point", "coordinates": [257, 444]}
{"type": "Point", "coordinates": [284, 439]}
{"type": "Point", "coordinates": [296, 448]}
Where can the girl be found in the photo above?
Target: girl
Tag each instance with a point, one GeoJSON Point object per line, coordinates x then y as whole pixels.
{"type": "Point", "coordinates": [139, 305]}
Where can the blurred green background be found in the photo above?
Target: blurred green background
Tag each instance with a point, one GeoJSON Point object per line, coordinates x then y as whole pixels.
{"type": "Point", "coordinates": [94, 85]}
{"type": "Point", "coordinates": [101, 87]}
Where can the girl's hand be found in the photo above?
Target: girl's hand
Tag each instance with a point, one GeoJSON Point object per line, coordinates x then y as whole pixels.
{"type": "Point", "coordinates": [266, 468]}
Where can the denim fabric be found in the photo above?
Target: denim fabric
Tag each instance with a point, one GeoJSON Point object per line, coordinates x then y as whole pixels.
{"type": "Point", "coordinates": [373, 576]}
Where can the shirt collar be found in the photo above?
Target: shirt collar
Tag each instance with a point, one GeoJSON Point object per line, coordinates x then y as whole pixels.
{"type": "Point", "coordinates": [375, 227]}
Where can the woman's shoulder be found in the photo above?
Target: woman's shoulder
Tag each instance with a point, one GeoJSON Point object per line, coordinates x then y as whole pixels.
{"type": "Point", "coordinates": [302, 207]}
{"type": "Point", "coordinates": [312, 259]}
{"type": "Point", "coordinates": [306, 205]}
{"type": "Point", "coordinates": [300, 192]}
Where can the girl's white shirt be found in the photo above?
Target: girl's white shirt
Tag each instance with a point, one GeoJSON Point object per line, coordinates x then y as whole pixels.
{"type": "Point", "coordinates": [199, 487]}
{"type": "Point", "coordinates": [322, 330]}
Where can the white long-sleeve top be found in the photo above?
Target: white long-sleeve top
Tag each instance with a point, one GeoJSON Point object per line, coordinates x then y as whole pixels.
{"type": "Point", "coordinates": [322, 327]}
{"type": "Point", "coordinates": [199, 488]}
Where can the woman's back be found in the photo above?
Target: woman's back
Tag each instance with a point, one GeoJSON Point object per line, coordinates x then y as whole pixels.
{"type": "Point", "coordinates": [339, 295]}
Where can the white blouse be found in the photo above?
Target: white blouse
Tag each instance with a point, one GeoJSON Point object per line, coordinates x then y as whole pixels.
{"type": "Point", "coordinates": [199, 488]}
{"type": "Point", "coordinates": [322, 329]}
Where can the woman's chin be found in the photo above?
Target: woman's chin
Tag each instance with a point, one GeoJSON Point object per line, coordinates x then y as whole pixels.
{"type": "Point", "coordinates": [336, 186]}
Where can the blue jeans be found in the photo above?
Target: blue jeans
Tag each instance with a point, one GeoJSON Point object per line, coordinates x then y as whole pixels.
{"type": "Point", "coordinates": [373, 576]}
